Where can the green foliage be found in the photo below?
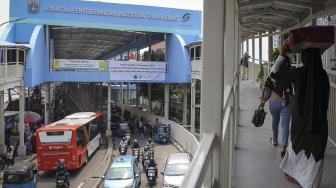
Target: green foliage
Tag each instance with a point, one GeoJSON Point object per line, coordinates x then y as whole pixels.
{"type": "Point", "coordinates": [275, 54]}
{"type": "Point", "coordinates": [261, 75]}
{"type": "Point", "coordinates": [157, 55]}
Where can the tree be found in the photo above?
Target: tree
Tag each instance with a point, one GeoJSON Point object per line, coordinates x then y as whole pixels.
{"type": "Point", "coordinates": [157, 55]}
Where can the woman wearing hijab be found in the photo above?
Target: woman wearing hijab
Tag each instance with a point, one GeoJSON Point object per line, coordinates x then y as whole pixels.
{"type": "Point", "coordinates": [303, 162]}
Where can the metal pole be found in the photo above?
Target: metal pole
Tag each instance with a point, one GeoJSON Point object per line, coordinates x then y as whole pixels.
{"type": "Point", "coordinates": [46, 103]}
{"type": "Point", "coordinates": [137, 94]}
{"type": "Point", "coordinates": [150, 97]}
{"type": "Point", "coordinates": [185, 105]}
{"type": "Point", "coordinates": [166, 101]}
{"type": "Point", "coordinates": [108, 132]}
{"type": "Point", "coordinates": [260, 58]}
{"type": "Point", "coordinates": [270, 50]}
{"type": "Point", "coordinates": [192, 106]}
{"type": "Point", "coordinates": [3, 148]}
{"type": "Point", "coordinates": [253, 58]}
{"type": "Point", "coordinates": [22, 147]}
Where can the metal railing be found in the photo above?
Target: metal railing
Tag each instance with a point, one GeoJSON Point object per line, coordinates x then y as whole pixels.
{"type": "Point", "coordinates": [332, 107]}
{"type": "Point", "coordinates": [181, 136]}
{"type": "Point", "coordinates": [200, 171]}
{"type": "Point", "coordinates": [10, 72]}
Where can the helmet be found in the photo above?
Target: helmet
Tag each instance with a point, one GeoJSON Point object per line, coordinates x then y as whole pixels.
{"type": "Point", "coordinates": [151, 159]}
{"type": "Point", "coordinates": [146, 148]}
{"type": "Point", "coordinates": [149, 139]}
{"type": "Point", "coordinates": [61, 161]}
{"type": "Point", "coordinates": [135, 141]}
{"type": "Point", "coordinates": [11, 148]}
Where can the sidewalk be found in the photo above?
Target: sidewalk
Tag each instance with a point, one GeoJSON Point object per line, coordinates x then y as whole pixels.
{"type": "Point", "coordinates": [257, 161]}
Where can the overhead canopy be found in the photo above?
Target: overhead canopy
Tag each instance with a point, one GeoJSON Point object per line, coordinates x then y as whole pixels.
{"type": "Point", "coordinates": [89, 43]}
{"type": "Point", "coordinates": [261, 16]}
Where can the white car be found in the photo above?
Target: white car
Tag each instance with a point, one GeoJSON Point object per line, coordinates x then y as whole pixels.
{"type": "Point", "coordinates": [176, 166]}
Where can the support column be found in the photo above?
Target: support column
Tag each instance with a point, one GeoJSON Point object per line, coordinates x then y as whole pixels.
{"type": "Point", "coordinates": [46, 103]}
{"type": "Point", "coordinates": [128, 94]}
{"type": "Point", "coordinates": [3, 148]}
{"type": "Point", "coordinates": [149, 97]}
{"type": "Point", "coordinates": [213, 72]}
{"type": "Point", "coordinates": [137, 94]}
{"type": "Point", "coordinates": [247, 46]}
{"type": "Point", "coordinates": [122, 95]}
{"type": "Point", "coordinates": [260, 60]}
{"type": "Point", "coordinates": [108, 130]}
{"type": "Point", "coordinates": [270, 50]}
{"type": "Point", "coordinates": [22, 147]}
{"type": "Point", "coordinates": [166, 101]}
{"type": "Point", "coordinates": [281, 40]}
{"type": "Point", "coordinates": [185, 105]}
{"type": "Point", "coordinates": [192, 106]}
{"type": "Point", "coordinates": [253, 58]}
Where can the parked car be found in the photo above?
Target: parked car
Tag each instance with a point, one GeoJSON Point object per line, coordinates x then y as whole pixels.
{"type": "Point", "coordinates": [176, 166]}
{"type": "Point", "coordinates": [123, 172]}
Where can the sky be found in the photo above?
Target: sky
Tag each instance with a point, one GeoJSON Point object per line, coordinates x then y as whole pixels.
{"type": "Point", "coordinates": [182, 4]}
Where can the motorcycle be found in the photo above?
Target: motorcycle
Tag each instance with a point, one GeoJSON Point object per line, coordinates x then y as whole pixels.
{"type": "Point", "coordinates": [123, 150]}
{"type": "Point", "coordinates": [136, 152]}
{"type": "Point", "coordinates": [145, 163]}
{"type": "Point", "coordinates": [61, 181]}
{"type": "Point", "coordinates": [151, 176]}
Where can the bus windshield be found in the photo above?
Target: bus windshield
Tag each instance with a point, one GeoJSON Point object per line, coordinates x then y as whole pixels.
{"type": "Point", "coordinates": [57, 136]}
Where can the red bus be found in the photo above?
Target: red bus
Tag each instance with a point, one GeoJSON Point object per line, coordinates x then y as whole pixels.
{"type": "Point", "coordinates": [74, 139]}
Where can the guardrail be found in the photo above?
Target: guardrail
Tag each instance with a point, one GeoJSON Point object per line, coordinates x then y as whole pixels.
{"type": "Point", "coordinates": [179, 134]}
{"type": "Point", "coordinates": [332, 107]}
{"type": "Point", "coordinates": [201, 168]}
{"type": "Point", "coordinates": [10, 72]}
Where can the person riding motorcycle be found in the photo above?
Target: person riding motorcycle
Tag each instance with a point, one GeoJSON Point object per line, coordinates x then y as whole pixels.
{"type": "Point", "coordinates": [145, 154]}
{"type": "Point", "coordinates": [10, 156]}
{"type": "Point", "coordinates": [123, 143]}
{"type": "Point", "coordinates": [150, 143]}
{"type": "Point", "coordinates": [152, 164]}
{"type": "Point", "coordinates": [135, 144]}
{"type": "Point", "coordinates": [62, 171]}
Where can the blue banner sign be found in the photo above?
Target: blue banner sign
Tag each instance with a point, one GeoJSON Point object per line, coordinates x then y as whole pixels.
{"type": "Point", "coordinates": [79, 13]}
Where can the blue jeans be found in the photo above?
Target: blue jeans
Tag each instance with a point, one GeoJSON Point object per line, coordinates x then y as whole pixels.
{"type": "Point", "coordinates": [283, 113]}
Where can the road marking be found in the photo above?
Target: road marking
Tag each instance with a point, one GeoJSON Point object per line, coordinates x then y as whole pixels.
{"type": "Point", "coordinates": [80, 185]}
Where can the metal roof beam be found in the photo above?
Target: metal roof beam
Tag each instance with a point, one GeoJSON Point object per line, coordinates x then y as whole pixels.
{"type": "Point", "coordinates": [294, 3]}
{"type": "Point", "coordinates": [284, 14]}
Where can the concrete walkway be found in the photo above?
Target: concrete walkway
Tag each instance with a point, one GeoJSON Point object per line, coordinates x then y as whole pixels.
{"type": "Point", "coordinates": [257, 161]}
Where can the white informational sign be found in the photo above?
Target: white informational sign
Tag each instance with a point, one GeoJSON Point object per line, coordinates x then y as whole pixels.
{"type": "Point", "coordinates": [79, 64]}
{"type": "Point", "coordinates": [137, 70]}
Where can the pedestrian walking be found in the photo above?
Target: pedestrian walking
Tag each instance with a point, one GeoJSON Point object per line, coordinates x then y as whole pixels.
{"type": "Point", "coordinates": [303, 162]}
{"type": "Point", "coordinates": [244, 66]}
{"type": "Point", "coordinates": [279, 93]}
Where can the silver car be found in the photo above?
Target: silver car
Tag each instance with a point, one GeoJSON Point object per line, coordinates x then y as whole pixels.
{"type": "Point", "coordinates": [176, 166]}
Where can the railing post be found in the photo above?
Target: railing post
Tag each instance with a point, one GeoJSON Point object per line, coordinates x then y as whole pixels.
{"type": "Point", "coordinates": [213, 71]}
{"type": "Point", "coordinates": [253, 57]}
{"type": "Point", "coordinates": [3, 148]}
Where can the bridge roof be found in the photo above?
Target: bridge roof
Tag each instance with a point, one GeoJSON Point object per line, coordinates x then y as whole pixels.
{"type": "Point", "coordinates": [261, 16]}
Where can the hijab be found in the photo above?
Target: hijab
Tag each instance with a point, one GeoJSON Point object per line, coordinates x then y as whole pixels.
{"type": "Point", "coordinates": [311, 105]}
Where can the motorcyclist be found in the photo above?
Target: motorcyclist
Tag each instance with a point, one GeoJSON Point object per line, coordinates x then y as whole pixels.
{"type": "Point", "coordinates": [145, 154]}
{"type": "Point", "coordinates": [10, 156]}
{"type": "Point", "coordinates": [62, 171]}
{"type": "Point", "coordinates": [151, 164]}
{"type": "Point", "coordinates": [135, 144]}
{"type": "Point", "coordinates": [123, 143]}
{"type": "Point", "coordinates": [150, 143]}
